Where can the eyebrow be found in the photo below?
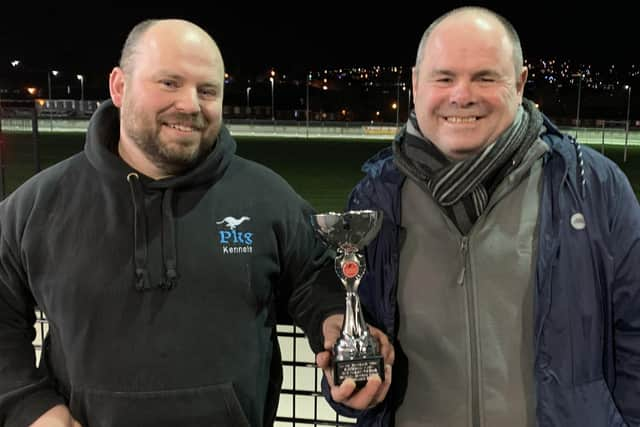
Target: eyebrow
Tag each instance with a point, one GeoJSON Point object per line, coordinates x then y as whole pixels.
{"type": "Point", "coordinates": [167, 74]}
{"type": "Point", "coordinates": [442, 72]}
{"type": "Point", "coordinates": [174, 76]}
{"type": "Point", "coordinates": [479, 73]}
{"type": "Point", "coordinates": [484, 73]}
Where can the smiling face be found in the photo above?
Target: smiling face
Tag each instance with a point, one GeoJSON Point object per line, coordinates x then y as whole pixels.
{"type": "Point", "coordinates": [170, 99]}
{"type": "Point", "coordinates": [466, 90]}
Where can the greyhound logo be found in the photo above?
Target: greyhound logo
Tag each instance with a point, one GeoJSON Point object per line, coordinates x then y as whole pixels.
{"type": "Point", "coordinates": [231, 223]}
{"type": "Point", "coordinates": [233, 241]}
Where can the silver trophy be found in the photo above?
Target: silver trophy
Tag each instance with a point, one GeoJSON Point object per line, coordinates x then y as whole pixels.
{"type": "Point", "coordinates": [356, 354]}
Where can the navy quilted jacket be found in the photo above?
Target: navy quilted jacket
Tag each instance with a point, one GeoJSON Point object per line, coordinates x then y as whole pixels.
{"type": "Point", "coordinates": [587, 300]}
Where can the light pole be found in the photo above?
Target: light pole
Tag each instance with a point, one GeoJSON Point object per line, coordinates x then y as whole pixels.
{"type": "Point", "coordinates": [249, 101]}
{"type": "Point", "coordinates": [49, 73]}
{"type": "Point", "coordinates": [308, 83]}
{"type": "Point", "coordinates": [81, 78]}
{"type": "Point", "coordinates": [273, 111]}
{"type": "Point", "coordinates": [14, 64]}
{"type": "Point", "coordinates": [397, 103]}
{"type": "Point", "coordinates": [580, 76]}
{"type": "Point", "coordinates": [626, 132]}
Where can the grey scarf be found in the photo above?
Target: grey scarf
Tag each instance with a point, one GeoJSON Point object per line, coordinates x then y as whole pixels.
{"type": "Point", "coordinates": [463, 188]}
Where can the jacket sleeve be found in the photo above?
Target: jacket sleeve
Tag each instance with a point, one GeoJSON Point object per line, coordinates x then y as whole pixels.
{"type": "Point", "coordinates": [315, 290]}
{"type": "Point", "coordinates": [25, 393]}
{"type": "Point", "coordinates": [625, 226]}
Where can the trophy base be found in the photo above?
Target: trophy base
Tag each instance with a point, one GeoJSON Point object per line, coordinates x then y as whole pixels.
{"type": "Point", "coordinates": [358, 370]}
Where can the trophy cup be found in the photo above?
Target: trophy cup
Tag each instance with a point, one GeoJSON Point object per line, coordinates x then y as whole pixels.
{"type": "Point", "coordinates": [355, 354]}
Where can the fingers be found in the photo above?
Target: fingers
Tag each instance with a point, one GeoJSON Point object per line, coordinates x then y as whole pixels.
{"type": "Point", "coordinates": [386, 348]}
{"type": "Point", "coordinates": [373, 392]}
{"type": "Point", "coordinates": [331, 328]}
{"type": "Point", "coordinates": [363, 398]}
{"type": "Point", "coordinates": [323, 359]}
{"type": "Point", "coordinates": [384, 388]}
{"type": "Point", "coordinates": [342, 392]}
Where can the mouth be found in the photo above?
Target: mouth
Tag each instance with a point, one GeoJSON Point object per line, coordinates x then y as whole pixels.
{"type": "Point", "coordinates": [182, 127]}
{"type": "Point", "coordinates": [461, 119]}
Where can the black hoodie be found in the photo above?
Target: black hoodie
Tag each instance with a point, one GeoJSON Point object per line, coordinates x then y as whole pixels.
{"type": "Point", "coordinates": [161, 295]}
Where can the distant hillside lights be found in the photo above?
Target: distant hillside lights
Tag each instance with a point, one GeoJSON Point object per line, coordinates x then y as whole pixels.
{"type": "Point", "coordinates": [559, 87]}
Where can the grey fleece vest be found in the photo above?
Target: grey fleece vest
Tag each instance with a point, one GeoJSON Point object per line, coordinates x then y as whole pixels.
{"type": "Point", "coordinates": [466, 307]}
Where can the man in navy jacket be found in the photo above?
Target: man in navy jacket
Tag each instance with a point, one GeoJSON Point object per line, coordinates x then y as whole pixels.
{"type": "Point", "coordinates": [506, 272]}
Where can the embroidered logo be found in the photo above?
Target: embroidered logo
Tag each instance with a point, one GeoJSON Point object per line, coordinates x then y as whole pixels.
{"type": "Point", "coordinates": [231, 222]}
{"type": "Point", "coordinates": [232, 240]}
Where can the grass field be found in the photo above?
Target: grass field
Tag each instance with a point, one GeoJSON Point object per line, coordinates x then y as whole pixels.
{"type": "Point", "coordinates": [321, 171]}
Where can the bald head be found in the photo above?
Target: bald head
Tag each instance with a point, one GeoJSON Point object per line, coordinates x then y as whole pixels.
{"type": "Point", "coordinates": [480, 18]}
{"type": "Point", "coordinates": [154, 33]}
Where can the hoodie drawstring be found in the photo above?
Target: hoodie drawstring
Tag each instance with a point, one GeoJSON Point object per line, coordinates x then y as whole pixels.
{"type": "Point", "coordinates": [143, 281]}
{"type": "Point", "coordinates": [139, 233]}
{"type": "Point", "coordinates": [168, 241]}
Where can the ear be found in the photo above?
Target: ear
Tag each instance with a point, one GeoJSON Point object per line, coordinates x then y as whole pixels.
{"type": "Point", "coordinates": [117, 86]}
{"type": "Point", "coordinates": [521, 80]}
{"type": "Point", "coordinates": [414, 82]}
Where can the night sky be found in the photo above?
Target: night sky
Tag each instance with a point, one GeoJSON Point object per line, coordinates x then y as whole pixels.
{"type": "Point", "coordinates": [308, 35]}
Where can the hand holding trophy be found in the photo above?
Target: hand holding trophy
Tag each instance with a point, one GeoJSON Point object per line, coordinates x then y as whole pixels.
{"type": "Point", "coordinates": [355, 354]}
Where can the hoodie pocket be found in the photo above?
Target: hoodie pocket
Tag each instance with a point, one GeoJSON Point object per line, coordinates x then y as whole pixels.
{"type": "Point", "coordinates": [215, 405]}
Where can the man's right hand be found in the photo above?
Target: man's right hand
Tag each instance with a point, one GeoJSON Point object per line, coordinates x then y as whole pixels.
{"type": "Point", "coordinates": [375, 390]}
{"type": "Point", "coordinates": [58, 416]}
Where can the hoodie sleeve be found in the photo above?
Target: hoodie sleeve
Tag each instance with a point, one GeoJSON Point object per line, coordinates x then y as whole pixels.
{"type": "Point", "coordinates": [625, 236]}
{"type": "Point", "coordinates": [314, 291]}
{"type": "Point", "coordinates": [25, 393]}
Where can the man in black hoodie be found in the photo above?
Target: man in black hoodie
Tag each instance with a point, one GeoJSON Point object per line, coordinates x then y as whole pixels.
{"type": "Point", "coordinates": [160, 260]}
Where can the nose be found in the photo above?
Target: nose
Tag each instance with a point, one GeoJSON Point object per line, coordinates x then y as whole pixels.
{"type": "Point", "coordinates": [187, 100]}
{"type": "Point", "coordinates": [462, 94]}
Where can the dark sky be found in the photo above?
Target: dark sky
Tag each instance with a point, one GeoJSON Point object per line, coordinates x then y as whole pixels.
{"type": "Point", "coordinates": [87, 39]}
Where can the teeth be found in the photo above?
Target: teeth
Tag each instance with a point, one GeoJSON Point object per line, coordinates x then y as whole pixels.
{"type": "Point", "coordinates": [461, 119]}
{"type": "Point", "coordinates": [181, 127]}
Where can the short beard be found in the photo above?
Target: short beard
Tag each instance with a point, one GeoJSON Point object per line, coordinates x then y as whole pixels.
{"type": "Point", "coordinates": [144, 132]}
{"type": "Point", "coordinates": [170, 160]}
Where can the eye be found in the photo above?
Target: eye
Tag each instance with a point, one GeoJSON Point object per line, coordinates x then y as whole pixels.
{"type": "Point", "coordinates": [487, 79]}
{"type": "Point", "coordinates": [208, 92]}
{"type": "Point", "coordinates": [171, 84]}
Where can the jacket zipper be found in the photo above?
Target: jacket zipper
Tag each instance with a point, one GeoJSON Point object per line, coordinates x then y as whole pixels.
{"type": "Point", "coordinates": [464, 247]}
{"type": "Point", "coordinates": [473, 338]}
